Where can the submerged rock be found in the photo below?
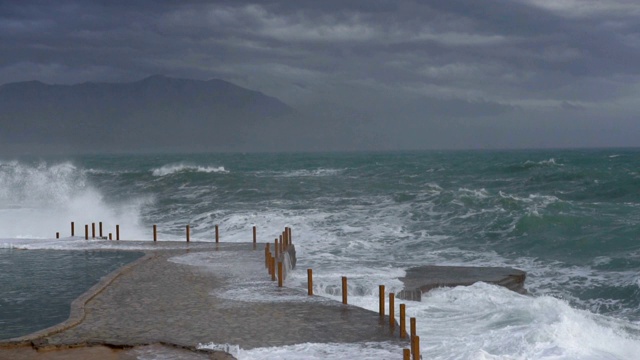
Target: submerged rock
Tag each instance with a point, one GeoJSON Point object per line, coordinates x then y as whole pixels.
{"type": "Point", "coordinates": [424, 278]}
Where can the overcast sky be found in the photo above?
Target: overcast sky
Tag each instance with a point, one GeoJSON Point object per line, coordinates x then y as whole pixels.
{"type": "Point", "coordinates": [427, 74]}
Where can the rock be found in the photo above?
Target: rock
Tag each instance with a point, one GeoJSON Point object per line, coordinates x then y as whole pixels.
{"type": "Point", "coordinates": [424, 278]}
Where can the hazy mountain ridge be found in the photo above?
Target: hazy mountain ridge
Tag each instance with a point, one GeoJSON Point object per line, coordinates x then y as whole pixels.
{"type": "Point", "coordinates": [153, 113]}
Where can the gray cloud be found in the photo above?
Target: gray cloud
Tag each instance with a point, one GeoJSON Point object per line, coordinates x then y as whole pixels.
{"type": "Point", "coordinates": [504, 59]}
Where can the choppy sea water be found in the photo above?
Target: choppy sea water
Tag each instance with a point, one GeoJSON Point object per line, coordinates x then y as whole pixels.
{"type": "Point", "coordinates": [571, 219]}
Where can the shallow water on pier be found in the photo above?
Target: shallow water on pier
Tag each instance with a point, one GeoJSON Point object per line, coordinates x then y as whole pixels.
{"type": "Point", "coordinates": [39, 286]}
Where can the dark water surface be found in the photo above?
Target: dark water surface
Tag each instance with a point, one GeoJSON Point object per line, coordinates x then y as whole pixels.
{"type": "Point", "coordinates": [38, 286]}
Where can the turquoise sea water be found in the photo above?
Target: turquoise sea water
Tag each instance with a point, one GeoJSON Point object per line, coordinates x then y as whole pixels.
{"type": "Point", "coordinates": [570, 218]}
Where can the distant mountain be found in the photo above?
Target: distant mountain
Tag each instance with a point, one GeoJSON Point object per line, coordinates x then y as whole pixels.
{"type": "Point", "coordinates": [156, 113]}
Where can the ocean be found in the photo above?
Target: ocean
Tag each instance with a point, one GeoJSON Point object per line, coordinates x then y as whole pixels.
{"type": "Point", "coordinates": [569, 218]}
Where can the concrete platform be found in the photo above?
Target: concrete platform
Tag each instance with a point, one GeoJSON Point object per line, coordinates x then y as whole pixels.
{"type": "Point", "coordinates": [419, 280]}
{"type": "Point", "coordinates": [226, 298]}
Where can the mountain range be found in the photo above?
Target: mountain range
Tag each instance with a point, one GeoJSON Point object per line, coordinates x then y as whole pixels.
{"type": "Point", "coordinates": [153, 114]}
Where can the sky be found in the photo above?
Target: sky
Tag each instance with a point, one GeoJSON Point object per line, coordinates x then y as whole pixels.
{"type": "Point", "coordinates": [417, 74]}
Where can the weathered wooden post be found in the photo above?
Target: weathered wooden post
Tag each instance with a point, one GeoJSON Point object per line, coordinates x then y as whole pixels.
{"type": "Point", "coordinates": [188, 233]}
{"type": "Point", "coordinates": [416, 348]}
{"type": "Point", "coordinates": [100, 228]}
{"type": "Point", "coordinates": [381, 299]}
{"type": "Point", "coordinates": [406, 354]}
{"type": "Point", "coordinates": [310, 282]}
{"type": "Point", "coordinates": [57, 235]}
{"type": "Point", "coordinates": [392, 311]}
{"type": "Point", "coordinates": [93, 230]}
{"type": "Point", "coordinates": [86, 232]}
{"type": "Point", "coordinates": [281, 245]}
{"type": "Point", "coordinates": [155, 233]}
{"type": "Point", "coordinates": [412, 322]}
{"type": "Point", "coordinates": [217, 234]}
{"type": "Point", "coordinates": [73, 229]}
{"type": "Point", "coordinates": [280, 275]}
{"type": "Point", "coordinates": [403, 322]}
{"type": "Point", "coordinates": [110, 238]}
{"type": "Point", "coordinates": [255, 235]}
{"type": "Point", "coordinates": [289, 237]}
{"type": "Point", "coordinates": [117, 232]}
{"type": "Point", "coordinates": [266, 255]}
{"type": "Point", "coordinates": [273, 269]}
{"type": "Point", "coordinates": [276, 248]}
{"type": "Point", "coordinates": [344, 290]}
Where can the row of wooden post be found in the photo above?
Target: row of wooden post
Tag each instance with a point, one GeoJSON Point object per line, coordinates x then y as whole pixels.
{"type": "Point", "coordinates": [155, 232]}
{"type": "Point", "coordinates": [274, 261]}
{"type": "Point", "coordinates": [93, 231]}
{"type": "Point", "coordinates": [415, 339]}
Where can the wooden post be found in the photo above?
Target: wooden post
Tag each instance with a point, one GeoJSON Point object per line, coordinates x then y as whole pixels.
{"type": "Point", "coordinates": [266, 255]}
{"type": "Point", "coordinates": [276, 248]}
{"type": "Point", "coordinates": [117, 232]}
{"type": "Point", "coordinates": [57, 235]}
{"type": "Point", "coordinates": [155, 233]}
{"type": "Point", "coordinates": [403, 322]}
{"type": "Point", "coordinates": [100, 228]}
{"type": "Point", "coordinates": [188, 233]}
{"type": "Point", "coordinates": [412, 322]}
{"type": "Point", "coordinates": [217, 234]}
{"type": "Point", "coordinates": [73, 229]}
{"type": "Point", "coordinates": [416, 348]}
{"type": "Point", "coordinates": [381, 299]}
{"type": "Point", "coordinates": [93, 230]}
{"type": "Point", "coordinates": [406, 354]}
{"type": "Point", "coordinates": [281, 245]}
{"type": "Point", "coordinates": [273, 269]}
{"type": "Point", "coordinates": [255, 237]}
{"type": "Point", "coordinates": [86, 232]}
{"type": "Point", "coordinates": [392, 311]}
{"type": "Point", "coordinates": [280, 276]}
{"type": "Point", "coordinates": [310, 282]}
{"type": "Point", "coordinates": [290, 238]}
{"type": "Point", "coordinates": [110, 237]}
{"type": "Point", "coordinates": [268, 261]}
{"type": "Point", "coordinates": [344, 290]}
{"type": "Point", "coordinates": [286, 238]}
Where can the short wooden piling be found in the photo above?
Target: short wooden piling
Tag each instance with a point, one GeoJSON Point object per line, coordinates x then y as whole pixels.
{"type": "Point", "coordinates": [403, 321]}
{"type": "Point", "coordinates": [188, 229]}
{"type": "Point", "coordinates": [57, 235]}
{"type": "Point", "coordinates": [406, 354]}
{"type": "Point", "coordinates": [412, 322]}
{"type": "Point", "coordinates": [86, 232]}
{"type": "Point", "coordinates": [392, 311]}
{"type": "Point", "coordinates": [266, 255]}
{"type": "Point", "coordinates": [289, 236]}
{"type": "Point", "coordinates": [73, 229]}
{"type": "Point", "coordinates": [381, 299]}
{"type": "Point", "coordinates": [93, 230]}
{"type": "Point", "coordinates": [276, 248]}
{"type": "Point", "coordinates": [255, 234]}
{"type": "Point", "coordinates": [280, 275]}
{"type": "Point", "coordinates": [117, 232]}
{"type": "Point", "coordinates": [269, 262]}
{"type": "Point", "coordinates": [416, 347]}
{"type": "Point", "coordinates": [110, 237]}
{"type": "Point", "coordinates": [344, 290]}
{"type": "Point", "coordinates": [100, 229]}
{"type": "Point", "coordinates": [310, 282]}
{"type": "Point", "coordinates": [281, 245]}
{"type": "Point", "coordinates": [273, 269]}
{"type": "Point", "coordinates": [217, 234]}
{"type": "Point", "coordinates": [155, 233]}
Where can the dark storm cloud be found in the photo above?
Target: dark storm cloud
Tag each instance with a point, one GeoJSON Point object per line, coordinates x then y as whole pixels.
{"type": "Point", "coordinates": [507, 56]}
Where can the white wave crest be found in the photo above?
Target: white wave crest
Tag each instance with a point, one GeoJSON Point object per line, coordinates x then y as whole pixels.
{"type": "Point", "coordinates": [176, 168]}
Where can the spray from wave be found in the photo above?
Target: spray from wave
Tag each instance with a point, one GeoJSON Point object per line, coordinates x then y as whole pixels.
{"type": "Point", "coordinates": [39, 199]}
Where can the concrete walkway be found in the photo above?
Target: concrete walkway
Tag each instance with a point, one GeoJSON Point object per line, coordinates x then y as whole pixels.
{"type": "Point", "coordinates": [206, 293]}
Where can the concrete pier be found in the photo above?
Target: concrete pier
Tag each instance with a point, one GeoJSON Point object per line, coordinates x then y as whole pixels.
{"type": "Point", "coordinates": [419, 280]}
{"type": "Point", "coordinates": [182, 294]}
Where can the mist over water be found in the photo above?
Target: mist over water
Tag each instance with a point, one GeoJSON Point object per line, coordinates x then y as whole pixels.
{"type": "Point", "coordinates": [571, 219]}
